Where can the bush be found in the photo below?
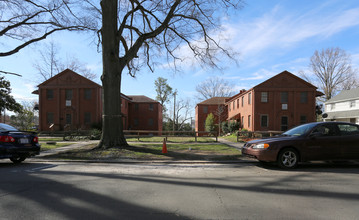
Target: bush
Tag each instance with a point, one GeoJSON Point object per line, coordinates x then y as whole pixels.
{"type": "Point", "coordinates": [225, 128]}
{"type": "Point", "coordinates": [95, 134]}
{"type": "Point", "coordinates": [233, 126]}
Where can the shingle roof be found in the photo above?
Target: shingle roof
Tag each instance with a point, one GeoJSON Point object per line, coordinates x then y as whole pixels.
{"type": "Point", "coordinates": [141, 98]}
{"type": "Point", "coordinates": [345, 95]}
{"type": "Point", "coordinates": [214, 101]}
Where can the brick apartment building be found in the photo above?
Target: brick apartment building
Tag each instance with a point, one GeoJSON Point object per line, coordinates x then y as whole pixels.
{"type": "Point", "coordinates": [276, 104]}
{"type": "Point", "coordinates": [144, 114]}
{"type": "Point", "coordinates": [216, 106]}
{"type": "Point", "coordinates": [71, 101]}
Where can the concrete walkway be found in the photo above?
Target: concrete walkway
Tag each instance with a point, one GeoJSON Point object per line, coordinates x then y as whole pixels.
{"type": "Point", "coordinates": [66, 148]}
{"type": "Point", "coordinates": [237, 145]}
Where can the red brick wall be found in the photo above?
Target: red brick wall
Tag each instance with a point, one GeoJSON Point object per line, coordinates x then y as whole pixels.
{"type": "Point", "coordinates": [143, 118]}
{"type": "Point", "coordinates": [201, 115]}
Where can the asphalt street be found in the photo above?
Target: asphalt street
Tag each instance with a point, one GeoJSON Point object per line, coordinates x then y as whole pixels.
{"type": "Point", "coordinates": [68, 190]}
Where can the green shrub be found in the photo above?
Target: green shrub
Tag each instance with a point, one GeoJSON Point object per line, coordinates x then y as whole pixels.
{"type": "Point", "coordinates": [95, 134]}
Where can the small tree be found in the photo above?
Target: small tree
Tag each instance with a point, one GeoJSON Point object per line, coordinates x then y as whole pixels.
{"type": "Point", "coordinates": [225, 127]}
{"type": "Point", "coordinates": [7, 101]}
{"type": "Point", "coordinates": [25, 119]}
{"type": "Point", "coordinates": [210, 123]}
{"type": "Point", "coordinates": [164, 92]}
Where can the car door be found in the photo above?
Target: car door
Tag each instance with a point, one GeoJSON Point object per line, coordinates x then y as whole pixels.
{"type": "Point", "coordinates": [322, 143]}
{"type": "Point", "coordinates": [349, 142]}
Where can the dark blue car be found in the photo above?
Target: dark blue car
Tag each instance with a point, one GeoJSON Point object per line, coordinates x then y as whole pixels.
{"type": "Point", "coordinates": [17, 145]}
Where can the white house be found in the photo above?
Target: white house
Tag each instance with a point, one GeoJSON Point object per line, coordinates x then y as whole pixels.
{"type": "Point", "coordinates": [343, 107]}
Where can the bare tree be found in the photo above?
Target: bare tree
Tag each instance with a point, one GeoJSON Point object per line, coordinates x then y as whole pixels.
{"type": "Point", "coordinates": [332, 71]}
{"type": "Point", "coordinates": [182, 113]}
{"type": "Point", "coordinates": [134, 33]}
{"type": "Point", "coordinates": [24, 22]}
{"type": "Point", "coordinates": [50, 63]}
{"type": "Point", "coordinates": [214, 87]}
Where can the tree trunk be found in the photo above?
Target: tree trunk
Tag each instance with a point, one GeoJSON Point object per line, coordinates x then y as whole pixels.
{"type": "Point", "coordinates": [112, 127]}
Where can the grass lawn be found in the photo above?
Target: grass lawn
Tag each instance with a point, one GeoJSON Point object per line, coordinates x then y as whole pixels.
{"type": "Point", "coordinates": [173, 139]}
{"type": "Point", "coordinates": [188, 151]}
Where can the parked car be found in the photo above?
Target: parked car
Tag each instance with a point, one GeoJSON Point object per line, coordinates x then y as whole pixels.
{"type": "Point", "coordinates": [327, 141]}
{"type": "Point", "coordinates": [17, 145]}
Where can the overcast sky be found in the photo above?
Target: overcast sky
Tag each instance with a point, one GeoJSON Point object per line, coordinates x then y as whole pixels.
{"type": "Point", "coordinates": [270, 35]}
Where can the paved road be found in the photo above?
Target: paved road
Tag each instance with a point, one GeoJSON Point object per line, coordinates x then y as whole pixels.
{"type": "Point", "coordinates": [59, 190]}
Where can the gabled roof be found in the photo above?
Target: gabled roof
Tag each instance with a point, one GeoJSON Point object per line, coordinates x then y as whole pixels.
{"type": "Point", "coordinates": [345, 95]}
{"type": "Point", "coordinates": [141, 98]}
{"type": "Point", "coordinates": [68, 72]}
{"type": "Point", "coordinates": [214, 101]}
{"type": "Point", "coordinates": [287, 73]}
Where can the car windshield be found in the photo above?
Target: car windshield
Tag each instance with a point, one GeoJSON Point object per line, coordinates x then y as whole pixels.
{"type": "Point", "coordinates": [299, 130]}
{"type": "Point", "coordinates": [5, 127]}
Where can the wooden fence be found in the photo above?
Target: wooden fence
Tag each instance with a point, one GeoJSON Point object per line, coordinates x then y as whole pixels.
{"type": "Point", "coordinates": [69, 135]}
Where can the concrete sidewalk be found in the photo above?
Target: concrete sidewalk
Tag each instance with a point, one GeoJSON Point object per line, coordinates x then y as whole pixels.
{"type": "Point", "coordinates": [237, 145]}
{"type": "Point", "coordinates": [69, 147]}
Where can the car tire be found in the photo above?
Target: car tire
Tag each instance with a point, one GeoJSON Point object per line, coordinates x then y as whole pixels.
{"type": "Point", "coordinates": [288, 158]}
{"type": "Point", "coordinates": [17, 160]}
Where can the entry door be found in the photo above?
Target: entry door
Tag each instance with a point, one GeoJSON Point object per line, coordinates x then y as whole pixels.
{"type": "Point", "coordinates": [68, 119]}
{"type": "Point", "coordinates": [284, 123]}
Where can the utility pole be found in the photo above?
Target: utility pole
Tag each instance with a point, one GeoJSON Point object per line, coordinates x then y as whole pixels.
{"type": "Point", "coordinates": [174, 110]}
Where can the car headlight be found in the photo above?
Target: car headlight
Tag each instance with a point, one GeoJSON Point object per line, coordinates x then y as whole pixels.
{"type": "Point", "coordinates": [260, 146]}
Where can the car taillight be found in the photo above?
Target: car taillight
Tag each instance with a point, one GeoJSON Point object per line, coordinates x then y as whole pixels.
{"type": "Point", "coordinates": [7, 139]}
{"type": "Point", "coordinates": [35, 140]}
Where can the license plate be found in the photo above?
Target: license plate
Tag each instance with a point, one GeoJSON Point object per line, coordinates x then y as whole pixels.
{"type": "Point", "coordinates": [24, 141]}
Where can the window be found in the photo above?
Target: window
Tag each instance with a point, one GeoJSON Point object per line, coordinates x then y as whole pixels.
{"type": "Point", "coordinates": [136, 122]}
{"type": "Point", "coordinates": [50, 117]}
{"type": "Point", "coordinates": [348, 129]}
{"type": "Point", "coordinates": [284, 123]}
{"type": "Point", "coordinates": [87, 118]}
{"type": "Point", "coordinates": [68, 119]}
{"type": "Point", "coordinates": [49, 94]}
{"type": "Point", "coordinates": [151, 107]}
{"type": "Point", "coordinates": [352, 104]}
{"type": "Point", "coordinates": [264, 121]}
{"type": "Point", "coordinates": [249, 98]}
{"type": "Point", "coordinates": [136, 107]}
{"type": "Point", "coordinates": [237, 103]}
{"type": "Point", "coordinates": [150, 121]}
{"type": "Point", "coordinates": [242, 101]}
{"type": "Point", "coordinates": [234, 107]}
{"type": "Point", "coordinates": [87, 94]}
{"type": "Point", "coordinates": [284, 97]}
{"type": "Point", "coordinates": [249, 121]}
{"type": "Point", "coordinates": [242, 122]}
{"type": "Point", "coordinates": [205, 109]}
{"type": "Point", "coordinates": [332, 106]}
{"type": "Point", "coordinates": [303, 119]}
{"type": "Point", "coordinates": [264, 96]}
{"type": "Point", "coordinates": [304, 97]}
{"type": "Point", "coordinates": [325, 130]}
{"type": "Point", "coordinates": [68, 94]}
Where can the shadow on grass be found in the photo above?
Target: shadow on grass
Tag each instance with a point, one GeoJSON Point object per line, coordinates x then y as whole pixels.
{"type": "Point", "coordinates": [145, 153]}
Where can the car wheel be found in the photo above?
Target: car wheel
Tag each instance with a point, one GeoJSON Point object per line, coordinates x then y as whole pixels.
{"type": "Point", "coordinates": [17, 159]}
{"type": "Point", "coordinates": [288, 158]}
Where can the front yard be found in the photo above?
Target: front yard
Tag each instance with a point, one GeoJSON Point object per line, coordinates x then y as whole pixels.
{"type": "Point", "coordinates": [141, 151]}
